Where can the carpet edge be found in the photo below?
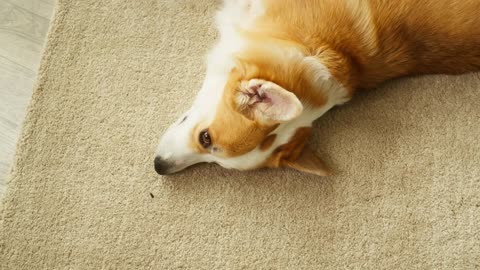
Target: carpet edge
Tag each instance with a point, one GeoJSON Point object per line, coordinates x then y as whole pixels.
{"type": "Point", "coordinates": [58, 16]}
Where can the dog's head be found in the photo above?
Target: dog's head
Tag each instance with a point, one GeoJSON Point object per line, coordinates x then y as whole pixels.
{"type": "Point", "coordinates": [256, 111]}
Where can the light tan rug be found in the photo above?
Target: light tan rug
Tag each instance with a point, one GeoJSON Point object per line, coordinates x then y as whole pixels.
{"type": "Point", "coordinates": [83, 193]}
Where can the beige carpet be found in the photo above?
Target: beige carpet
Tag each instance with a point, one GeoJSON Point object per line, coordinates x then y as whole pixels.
{"type": "Point", "coordinates": [83, 193]}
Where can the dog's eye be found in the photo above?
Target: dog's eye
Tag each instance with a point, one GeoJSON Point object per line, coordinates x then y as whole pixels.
{"type": "Point", "coordinates": [205, 139]}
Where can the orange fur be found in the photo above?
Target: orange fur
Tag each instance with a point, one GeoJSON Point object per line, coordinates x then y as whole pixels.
{"type": "Point", "coordinates": [261, 63]}
{"type": "Point", "coordinates": [361, 42]}
{"type": "Point", "coordinates": [267, 143]}
{"type": "Point", "coordinates": [289, 151]}
{"type": "Point", "coordinates": [370, 41]}
{"type": "Point", "coordinates": [233, 132]}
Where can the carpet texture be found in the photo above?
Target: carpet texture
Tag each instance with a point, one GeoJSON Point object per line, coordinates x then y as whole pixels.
{"type": "Point", "coordinates": [83, 194]}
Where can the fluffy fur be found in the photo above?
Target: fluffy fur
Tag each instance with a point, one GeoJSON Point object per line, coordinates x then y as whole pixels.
{"type": "Point", "coordinates": [280, 64]}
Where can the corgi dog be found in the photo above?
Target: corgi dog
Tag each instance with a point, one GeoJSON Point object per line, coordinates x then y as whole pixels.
{"type": "Point", "coordinates": [280, 64]}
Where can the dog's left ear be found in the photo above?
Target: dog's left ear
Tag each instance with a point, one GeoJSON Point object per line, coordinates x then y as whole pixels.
{"type": "Point", "coordinates": [308, 162]}
{"type": "Point", "coordinates": [268, 102]}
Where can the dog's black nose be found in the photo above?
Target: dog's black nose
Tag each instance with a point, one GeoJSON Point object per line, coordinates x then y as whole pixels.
{"type": "Point", "coordinates": [161, 166]}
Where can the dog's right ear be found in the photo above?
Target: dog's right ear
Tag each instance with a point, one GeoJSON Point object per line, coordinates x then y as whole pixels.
{"type": "Point", "coordinates": [267, 102]}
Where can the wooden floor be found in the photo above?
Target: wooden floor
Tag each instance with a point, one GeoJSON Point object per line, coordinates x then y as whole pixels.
{"type": "Point", "coordinates": [23, 29]}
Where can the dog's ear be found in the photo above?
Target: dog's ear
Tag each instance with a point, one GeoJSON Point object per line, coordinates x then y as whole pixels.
{"type": "Point", "coordinates": [296, 155]}
{"type": "Point", "coordinates": [308, 162]}
{"type": "Point", "coordinates": [267, 102]}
